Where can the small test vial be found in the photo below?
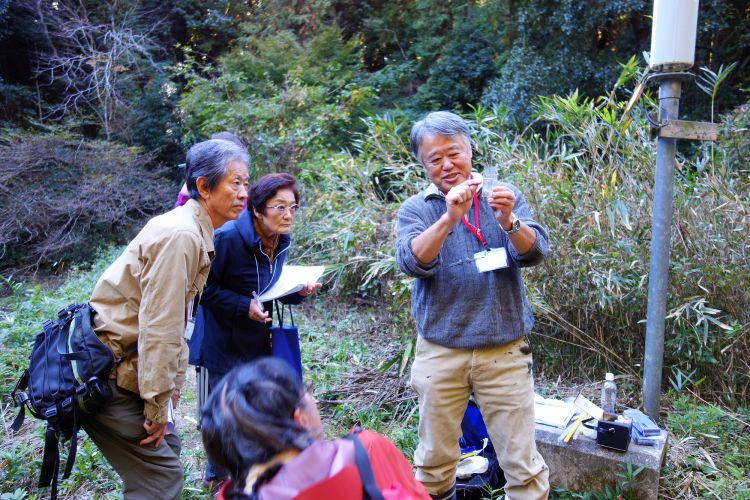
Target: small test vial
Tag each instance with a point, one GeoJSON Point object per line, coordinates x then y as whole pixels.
{"type": "Point", "coordinates": [489, 177]}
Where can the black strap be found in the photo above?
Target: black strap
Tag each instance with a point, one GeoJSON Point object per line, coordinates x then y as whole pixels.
{"type": "Point", "coordinates": [18, 421]}
{"type": "Point", "coordinates": [280, 313]}
{"type": "Point", "coordinates": [20, 398]}
{"type": "Point", "coordinates": [370, 490]}
{"type": "Point", "coordinates": [73, 449]}
{"type": "Point", "coordinates": [589, 423]}
{"type": "Point", "coordinates": [50, 461]}
{"type": "Point", "coordinates": [65, 323]}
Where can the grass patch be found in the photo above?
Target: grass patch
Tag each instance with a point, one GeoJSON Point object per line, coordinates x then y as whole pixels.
{"type": "Point", "coordinates": [22, 311]}
{"type": "Point", "coordinates": [346, 352]}
{"type": "Point", "coordinates": [710, 453]}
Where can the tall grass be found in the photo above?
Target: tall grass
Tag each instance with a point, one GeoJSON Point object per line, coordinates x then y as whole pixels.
{"type": "Point", "coordinates": [587, 171]}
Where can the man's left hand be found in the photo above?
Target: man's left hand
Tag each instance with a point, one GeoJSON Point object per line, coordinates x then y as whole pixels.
{"type": "Point", "coordinates": [502, 200]}
{"type": "Point", "coordinates": [156, 433]}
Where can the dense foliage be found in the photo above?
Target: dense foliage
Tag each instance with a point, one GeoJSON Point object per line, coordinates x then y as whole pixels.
{"type": "Point", "coordinates": [110, 61]}
{"type": "Point", "coordinates": [589, 178]}
{"type": "Point", "coordinates": [96, 97]}
{"type": "Point", "coordinates": [289, 98]}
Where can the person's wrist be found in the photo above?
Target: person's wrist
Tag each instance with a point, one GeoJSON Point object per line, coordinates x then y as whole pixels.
{"type": "Point", "coordinates": [449, 219]}
{"type": "Point", "coordinates": [511, 225]}
{"type": "Point", "coordinates": [505, 224]}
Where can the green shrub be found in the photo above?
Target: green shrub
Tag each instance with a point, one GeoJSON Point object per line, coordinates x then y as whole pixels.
{"type": "Point", "coordinates": [709, 451]}
{"type": "Point", "coordinates": [288, 99]}
{"type": "Point", "coordinates": [587, 173]}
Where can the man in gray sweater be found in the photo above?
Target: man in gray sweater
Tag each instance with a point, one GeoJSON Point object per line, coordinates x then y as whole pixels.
{"type": "Point", "coordinates": [466, 250]}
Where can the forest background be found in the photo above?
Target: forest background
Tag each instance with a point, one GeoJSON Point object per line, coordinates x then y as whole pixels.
{"type": "Point", "coordinates": [99, 100]}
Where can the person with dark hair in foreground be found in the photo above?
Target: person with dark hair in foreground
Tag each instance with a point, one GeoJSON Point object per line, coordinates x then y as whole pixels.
{"type": "Point", "coordinates": [232, 326]}
{"type": "Point", "coordinates": [260, 424]}
{"type": "Point", "coordinates": [141, 303]}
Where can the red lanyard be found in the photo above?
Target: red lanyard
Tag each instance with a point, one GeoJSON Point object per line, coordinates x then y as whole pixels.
{"type": "Point", "coordinates": [475, 230]}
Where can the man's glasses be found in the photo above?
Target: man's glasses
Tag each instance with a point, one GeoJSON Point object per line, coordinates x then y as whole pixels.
{"type": "Point", "coordinates": [281, 209]}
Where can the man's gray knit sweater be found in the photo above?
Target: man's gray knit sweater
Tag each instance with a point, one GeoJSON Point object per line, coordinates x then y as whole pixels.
{"type": "Point", "coordinates": [455, 305]}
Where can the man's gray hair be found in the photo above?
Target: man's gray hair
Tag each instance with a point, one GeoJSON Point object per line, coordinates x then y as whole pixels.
{"type": "Point", "coordinates": [442, 123]}
{"type": "Point", "coordinates": [210, 159]}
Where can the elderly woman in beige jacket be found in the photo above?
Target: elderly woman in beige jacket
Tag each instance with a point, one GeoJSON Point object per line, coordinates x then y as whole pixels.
{"type": "Point", "coordinates": [143, 302]}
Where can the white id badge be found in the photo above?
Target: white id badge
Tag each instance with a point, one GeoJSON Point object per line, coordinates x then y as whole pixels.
{"type": "Point", "coordinates": [189, 329]}
{"type": "Point", "coordinates": [489, 260]}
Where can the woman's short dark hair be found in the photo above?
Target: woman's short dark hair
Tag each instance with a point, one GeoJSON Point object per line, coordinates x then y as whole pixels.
{"type": "Point", "coordinates": [266, 188]}
{"type": "Point", "coordinates": [210, 159]}
{"type": "Point", "coordinates": [249, 417]}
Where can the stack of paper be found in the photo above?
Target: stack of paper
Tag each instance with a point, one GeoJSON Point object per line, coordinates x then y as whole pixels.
{"type": "Point", "coordinates": [292, 280]}
{"type": "Point", "coordinates": [552, 411]}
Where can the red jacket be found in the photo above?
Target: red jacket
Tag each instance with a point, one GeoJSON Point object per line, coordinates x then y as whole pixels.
{"type": "Point", "coordinates": [327, 468]}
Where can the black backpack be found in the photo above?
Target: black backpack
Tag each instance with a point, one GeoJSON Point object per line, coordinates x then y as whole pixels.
{"type": "Point", "coordinates": [67, 380]}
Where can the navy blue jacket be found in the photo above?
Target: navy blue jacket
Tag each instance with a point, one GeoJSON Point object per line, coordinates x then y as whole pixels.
{"type": "Point", "coordinates": [224, 335]}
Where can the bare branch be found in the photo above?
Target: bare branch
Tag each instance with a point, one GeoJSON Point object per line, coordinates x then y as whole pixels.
{"type": "Point", "coordinates": [96, 55]}
{"type": "Point", "coordinates": [65, 196]}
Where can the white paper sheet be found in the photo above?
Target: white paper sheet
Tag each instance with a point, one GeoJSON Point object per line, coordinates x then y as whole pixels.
{"type": "Point", "coordinates": [552, 411]}
{"type": "Point", "coordinates": [292, 279]}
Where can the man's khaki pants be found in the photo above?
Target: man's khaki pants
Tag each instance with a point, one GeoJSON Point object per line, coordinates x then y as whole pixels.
{"type": "Point", "coordinates": [503, 385]}
{"type": "Point", "coordinates": [147, 472]}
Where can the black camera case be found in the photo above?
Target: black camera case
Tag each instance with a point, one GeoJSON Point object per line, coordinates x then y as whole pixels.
{"type": "Point", "coordinates": [613, 435]}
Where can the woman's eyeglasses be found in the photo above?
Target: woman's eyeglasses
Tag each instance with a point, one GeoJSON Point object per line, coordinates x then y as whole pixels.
{"type": "Point", "coordinates": [281, 209]}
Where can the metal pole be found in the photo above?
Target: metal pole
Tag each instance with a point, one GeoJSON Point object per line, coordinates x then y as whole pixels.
{"type": "Point", "coordinates": [661, 229]}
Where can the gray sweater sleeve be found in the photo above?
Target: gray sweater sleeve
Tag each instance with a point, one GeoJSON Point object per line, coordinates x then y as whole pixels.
{"type": "Point", "coordinates": [409, 225]}
{"type": "Point", "coordinates": [450, 293]}
{"type": "Point", "coordinates": [538, 252]}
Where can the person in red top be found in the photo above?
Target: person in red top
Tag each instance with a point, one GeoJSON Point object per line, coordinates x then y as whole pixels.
{"type": "Point", "coordinates": [260, 424]}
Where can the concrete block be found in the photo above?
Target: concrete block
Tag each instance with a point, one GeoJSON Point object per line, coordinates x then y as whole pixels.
{"type": "Point", "coordinates": [584, 466]}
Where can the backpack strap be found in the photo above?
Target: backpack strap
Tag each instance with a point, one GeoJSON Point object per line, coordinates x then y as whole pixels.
{"type": "Point", "coordinates": [67, 317]}
{"type": "Point", "coordinates": [50, 461]}
{"type": "Point", "coordinates": [370, 490]}
{"type": "Point", "coordinates": [20, 398]}
{"type": "Point", "coordinates": [73, 449]}
{"type": "Point", "coordinates": [48, 476]}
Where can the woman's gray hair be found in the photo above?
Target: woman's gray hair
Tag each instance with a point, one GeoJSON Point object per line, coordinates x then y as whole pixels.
{"type": "Point", "coordinates": [210, 159]}
{"type": "Point", "coordinates": [442, 123]}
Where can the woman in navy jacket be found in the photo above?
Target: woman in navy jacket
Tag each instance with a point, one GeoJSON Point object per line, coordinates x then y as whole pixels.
{"type": "Point", "coordinates": [232, 328]}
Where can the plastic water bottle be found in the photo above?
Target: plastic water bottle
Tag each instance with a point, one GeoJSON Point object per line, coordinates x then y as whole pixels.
{"type": "Point", "coordinates": [609, 394]}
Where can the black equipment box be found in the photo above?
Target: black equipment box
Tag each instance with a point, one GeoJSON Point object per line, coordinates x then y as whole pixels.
{"type": "Point", "coordinates": [614, 435]}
